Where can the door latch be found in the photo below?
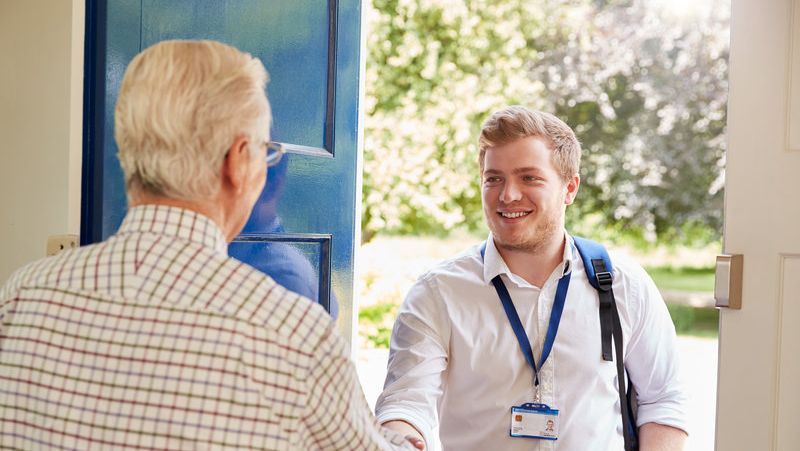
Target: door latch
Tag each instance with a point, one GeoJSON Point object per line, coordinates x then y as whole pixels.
{"type": "Point", "coordinates": [728, 281]}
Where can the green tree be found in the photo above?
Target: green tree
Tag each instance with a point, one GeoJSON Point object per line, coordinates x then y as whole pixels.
{"type": "Point", "coordinates": [645, 87]}
{"type": "Point", "coordinates": [645, 95]}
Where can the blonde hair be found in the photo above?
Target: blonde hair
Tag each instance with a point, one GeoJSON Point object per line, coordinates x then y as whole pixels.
{"type": "Point", "coordinates": [516, 122]}
{"type": "Point", "coordinates": [180, 106]}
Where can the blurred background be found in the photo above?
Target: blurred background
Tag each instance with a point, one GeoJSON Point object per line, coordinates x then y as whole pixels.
{"type": "Point", "coordinates": [644, 85]}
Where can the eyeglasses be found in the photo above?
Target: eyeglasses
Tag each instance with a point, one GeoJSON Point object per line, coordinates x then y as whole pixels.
{"type": "Point", "coordinates": [275, 151]}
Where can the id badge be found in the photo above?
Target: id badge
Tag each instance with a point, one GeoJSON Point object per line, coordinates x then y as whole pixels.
{"type": "Point", "coordinates": [534, 420]}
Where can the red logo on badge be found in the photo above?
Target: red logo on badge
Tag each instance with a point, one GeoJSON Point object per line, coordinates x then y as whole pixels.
{"type": "Point", "coordinates": [518, 418]}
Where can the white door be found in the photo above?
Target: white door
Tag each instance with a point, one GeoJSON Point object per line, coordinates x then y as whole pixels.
{"type": "Point", "coordinates": [758, 399]}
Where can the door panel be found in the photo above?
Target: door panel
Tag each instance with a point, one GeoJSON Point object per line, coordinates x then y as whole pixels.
{"type": "Point", "coordinates": [303, 227]}
{"type": "Point", "coordinates": [758, 395]}
{"type": "Point", "coordinates": [290, 38]}
{"type": "Point", "coordinates": [788, 395]}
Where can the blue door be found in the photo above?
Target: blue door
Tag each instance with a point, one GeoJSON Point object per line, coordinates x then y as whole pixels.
{"type": "Point", "coordinates": [302, 229]}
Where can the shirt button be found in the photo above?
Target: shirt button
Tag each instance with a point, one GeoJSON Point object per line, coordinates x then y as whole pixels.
{"type": "Point", "coordinates": [619, 429]}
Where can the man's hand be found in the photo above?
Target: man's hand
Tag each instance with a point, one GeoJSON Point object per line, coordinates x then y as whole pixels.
{"type": "Point", "coordinates": [410, 432]}
{"type": "Point", "coordinates": [657, 437]}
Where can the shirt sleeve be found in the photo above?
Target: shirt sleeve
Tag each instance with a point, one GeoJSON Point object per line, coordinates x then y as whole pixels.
{"type": "Point", "coordinates": [5, 306]}
{"type": "Point", "coordinates": [340, 417]}
{"type": "Point", "coordinates": [8, 294]}
{"type": "Point", "coordinates": [652, 358]}
{"type": "Point", "coordinates": [418, 357]}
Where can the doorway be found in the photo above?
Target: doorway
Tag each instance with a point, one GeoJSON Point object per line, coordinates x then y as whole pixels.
{"type": "Point", "coordinates": [643, 84]}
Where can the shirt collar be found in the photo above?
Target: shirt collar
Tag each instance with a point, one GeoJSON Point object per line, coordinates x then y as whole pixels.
{"type": "Point", "coordinates": [175, 222]}
{"type": "Point", "coordinates": [494, 265]}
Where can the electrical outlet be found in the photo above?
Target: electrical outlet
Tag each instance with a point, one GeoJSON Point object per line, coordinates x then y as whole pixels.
{"type": "Point", "coordinates": [60, 243]}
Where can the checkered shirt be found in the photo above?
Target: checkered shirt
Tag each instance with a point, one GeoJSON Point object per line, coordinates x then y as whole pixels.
{"type": "Point", "coordinates": [156, 339]}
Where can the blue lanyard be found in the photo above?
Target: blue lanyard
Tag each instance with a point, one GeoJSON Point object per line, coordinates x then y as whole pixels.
{"type": "Point", "coordinates": [516, 324]}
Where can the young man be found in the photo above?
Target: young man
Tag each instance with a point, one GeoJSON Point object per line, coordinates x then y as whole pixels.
{"type": "Point", "coordinates": [456, 367]}
{"type": "Point", "coordinates": [155, 338]}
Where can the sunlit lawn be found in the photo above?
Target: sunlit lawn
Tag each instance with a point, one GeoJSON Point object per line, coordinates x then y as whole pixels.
{"type": "Point", "coordinates": [683, 278]}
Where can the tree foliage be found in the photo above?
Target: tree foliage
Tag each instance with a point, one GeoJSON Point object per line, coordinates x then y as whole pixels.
{"type": "Point", "coordinates": [642, 84]}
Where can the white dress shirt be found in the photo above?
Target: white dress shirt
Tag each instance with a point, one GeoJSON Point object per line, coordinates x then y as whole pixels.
{"type": "Point", "coordinates": [456, 368]}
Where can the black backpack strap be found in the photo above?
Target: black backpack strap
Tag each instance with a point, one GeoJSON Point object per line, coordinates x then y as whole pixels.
{"type": "Point", "coordinates": [628, 424]}
{"type": "Point", "coordinates": [599, 271]}
{"type": "Point", "coordinates": [608, 308]}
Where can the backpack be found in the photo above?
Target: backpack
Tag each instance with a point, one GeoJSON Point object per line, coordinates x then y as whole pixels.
{"type": "Point", "coordinates": [599, 270]}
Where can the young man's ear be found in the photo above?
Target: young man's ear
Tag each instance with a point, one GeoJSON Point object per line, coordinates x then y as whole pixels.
{"type": "Point", "coordinates": [235, 165]}
{"type": "Point", "coordinates": [572, 189]}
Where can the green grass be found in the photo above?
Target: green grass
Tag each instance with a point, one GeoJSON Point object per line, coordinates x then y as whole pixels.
{"type": "Point", "coordinates": [694, 321]}
{"type": "Point", "coordinates": [375, 323]}
{"type": "Point", "coordinates": [682, 278]}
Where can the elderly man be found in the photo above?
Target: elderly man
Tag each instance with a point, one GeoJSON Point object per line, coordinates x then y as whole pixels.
{"type": "Point", "coordinates": [155, 338]}
{"type": "Point", "coordinates": [461, 359]}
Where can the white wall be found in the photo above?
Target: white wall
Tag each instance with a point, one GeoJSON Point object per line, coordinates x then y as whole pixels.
{"type": "Point", "coordinates": [41, 103]}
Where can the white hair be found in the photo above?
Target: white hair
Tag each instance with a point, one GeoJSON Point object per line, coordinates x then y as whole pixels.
{"type": "Point", "coordinates": [181, 104]}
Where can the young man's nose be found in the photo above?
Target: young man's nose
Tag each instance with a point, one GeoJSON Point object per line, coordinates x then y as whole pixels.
{"type": "Point", "coordinates": [510, 193]}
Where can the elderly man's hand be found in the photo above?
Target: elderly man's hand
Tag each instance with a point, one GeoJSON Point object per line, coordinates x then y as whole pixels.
{"type": "Point", "coordinates": [410, 432]}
